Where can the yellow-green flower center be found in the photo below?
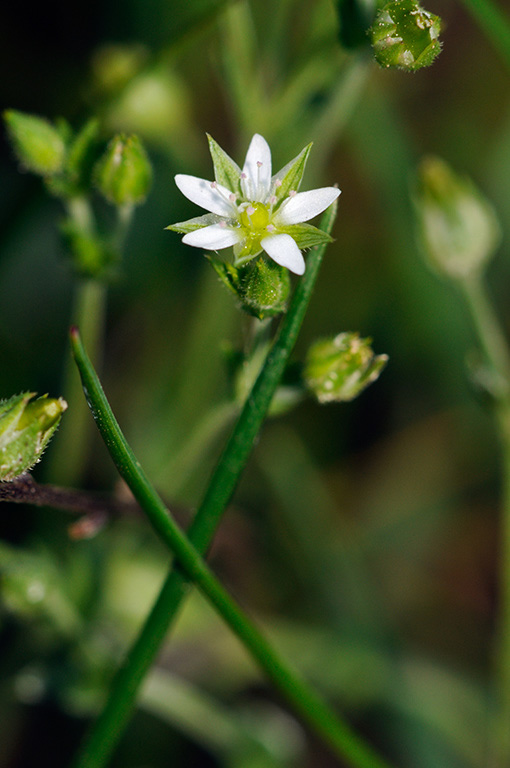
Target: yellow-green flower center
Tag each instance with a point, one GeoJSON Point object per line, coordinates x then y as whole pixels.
{"type": "Point", "coordinates": [254, 220]}
{"type": "Point", "coordinates": [255, 217]}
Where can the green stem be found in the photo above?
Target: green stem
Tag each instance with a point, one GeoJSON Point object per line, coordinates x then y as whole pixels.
{"type": "Point", "coordinates": [70, 451]}
{"type": "Point", "coordinates": [112, 721]}
{"type": "Point", "coordinates": [495, 349]}
{"type": "Point", "coordinates": [313, 710]}
{"type": "Point", "coordinates": [494, 23]}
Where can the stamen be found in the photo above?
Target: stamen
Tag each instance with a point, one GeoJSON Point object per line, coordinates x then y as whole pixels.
{"type": "Point", "coordinates": [249, 189]}
{"type": "Point", "coordinates": [222, 224]}
{"type": "Point", "coordinates": [250, 210]}
{"type": "Point", "coordinates": [270, 228]}
{"type": "Point", "coordinates": [292, 193]}
{"type": "Point", "coordinates": [230, 198]}
{"type": "Point", "coordinates": [277, 182]}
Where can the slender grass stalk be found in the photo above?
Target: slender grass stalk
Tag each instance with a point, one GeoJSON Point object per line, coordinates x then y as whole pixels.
{"type": "Point", "coordinates": [494, 23]}
{"type": "Point", "coordinates": [313, 710]}
{"type": "Point", "coordinates": [109, 727]}
{"type": "Point", "coordinates": [494, 346]}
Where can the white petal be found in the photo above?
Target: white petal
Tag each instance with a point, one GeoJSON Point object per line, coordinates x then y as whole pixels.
{"type": "Point", "coordinates": [213, 238]}
{"type": "Point", "coordinates": [305, 205]}
{"type": "Point", "coordinates": [257, 167]}
{"type": "Point", "coordinates": [283, 250]}
{"type": "Point", "coordinates": [200, 191]}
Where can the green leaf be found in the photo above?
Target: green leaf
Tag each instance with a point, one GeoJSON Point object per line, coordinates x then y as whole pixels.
{"type": "Point", "coordinates": [193, 224]}
{"type": "Point", "coordinates": [306, 235]}
{"type": "Point", "coordinates": [37, 143]}
{"type": "Point", "coordinates": [291, 174]}
{"type": "Point", "coordinates": [226, 170]}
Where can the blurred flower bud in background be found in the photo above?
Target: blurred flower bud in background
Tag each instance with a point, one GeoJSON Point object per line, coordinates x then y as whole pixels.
{"type": "Point", "coordinates": [123, 174]}
{"type": "Point", "coordinates": [457, 227]}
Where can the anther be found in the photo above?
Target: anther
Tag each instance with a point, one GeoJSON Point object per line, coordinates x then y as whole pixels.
{"type": "Point", "coordinates": [292, 193]}
{"type": "Point", "coordinates": [270, 228]}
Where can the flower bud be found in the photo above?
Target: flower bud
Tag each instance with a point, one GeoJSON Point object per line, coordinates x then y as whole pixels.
{"type": "Point", "coordinates": [405, 36]}
{"type": "Point", "coordinates": [26, 427]}
{"type": "Point", "coordinates": [457, 226]}
{"type": "Point", "coordinates": [123, 175]}
{"type": "Point", "coordinates": [262, 286]}
{"type": "Point", "coordinates": [38, 144]}
{"type": "Point", "coordinates": [340, 368]}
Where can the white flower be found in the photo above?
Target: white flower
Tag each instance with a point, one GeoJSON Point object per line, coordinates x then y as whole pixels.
{"type": "Point", "coordinates": [254, 211]}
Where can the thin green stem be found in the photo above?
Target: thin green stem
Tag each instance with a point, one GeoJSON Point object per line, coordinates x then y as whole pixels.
{"type": "Point", "coordinates": [313, 710]}
{"type": "Point", "coordinates": [69, 453]}
{"type": "Point", "coordinates": [109, 727]}
{"type": "Point", "coordinates": [494, 23]}
{"type": "Point", "coordinates": [494, 346]}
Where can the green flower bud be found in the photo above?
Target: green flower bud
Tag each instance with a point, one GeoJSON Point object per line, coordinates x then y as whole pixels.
{"type": "Point", "coordinates": [457, 226]}
{"type": "Point", "coordinates": [123, 175]}
{"type": "Point", "coordinates": [405, 36]}
{"type": "Point", "coordinates": [262, 286]}
{"type": "Point", "coordinates": [340, 368]}
{"type": "Point", "coordinates": [38, 144]}
{"type": "Point", "coordinates": [26, 427]}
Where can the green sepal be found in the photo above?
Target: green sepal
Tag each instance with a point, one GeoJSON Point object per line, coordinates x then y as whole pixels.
{"type": "Point", "coordinates": [26, 427]}
{"type": "Point", "coordinates": [226, 170]}
{"type": "Point", "coordinates": [261, 286]}
{"type": "Point", "coordinates": [291, 174]}
{"type": "Point", "coordinates": [191, 225]}
{"type": "Point", "coordinates": [75, 177]}
{"type": "Point", "coordinates": [80, 156]}
{"type": "Point", "coordinates": [39, 146]}
{"type": "Point", "coordinates": [338, 369]}
{"type": "Point", "coordinates": [264, 288]}
{"type": "Point", "coordinates": [405, 36]}
{"type": "Point", "coordinates": [306, 235]}
{"type": "Point", "coordinates": [228, 274]}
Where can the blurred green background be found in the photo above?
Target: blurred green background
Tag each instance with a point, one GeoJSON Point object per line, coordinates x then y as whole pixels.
{"type": "Point", "coordinates": [364, 535]}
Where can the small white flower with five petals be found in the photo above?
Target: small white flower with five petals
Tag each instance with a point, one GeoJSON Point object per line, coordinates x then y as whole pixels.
{"type": "Point", "coordinates": [253, 211]}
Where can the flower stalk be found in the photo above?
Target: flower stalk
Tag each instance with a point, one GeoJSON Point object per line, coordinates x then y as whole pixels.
{"type": "Point", "coordinates": [312, 709]}
{"type": "Point", "coordinates": [108, 729]}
